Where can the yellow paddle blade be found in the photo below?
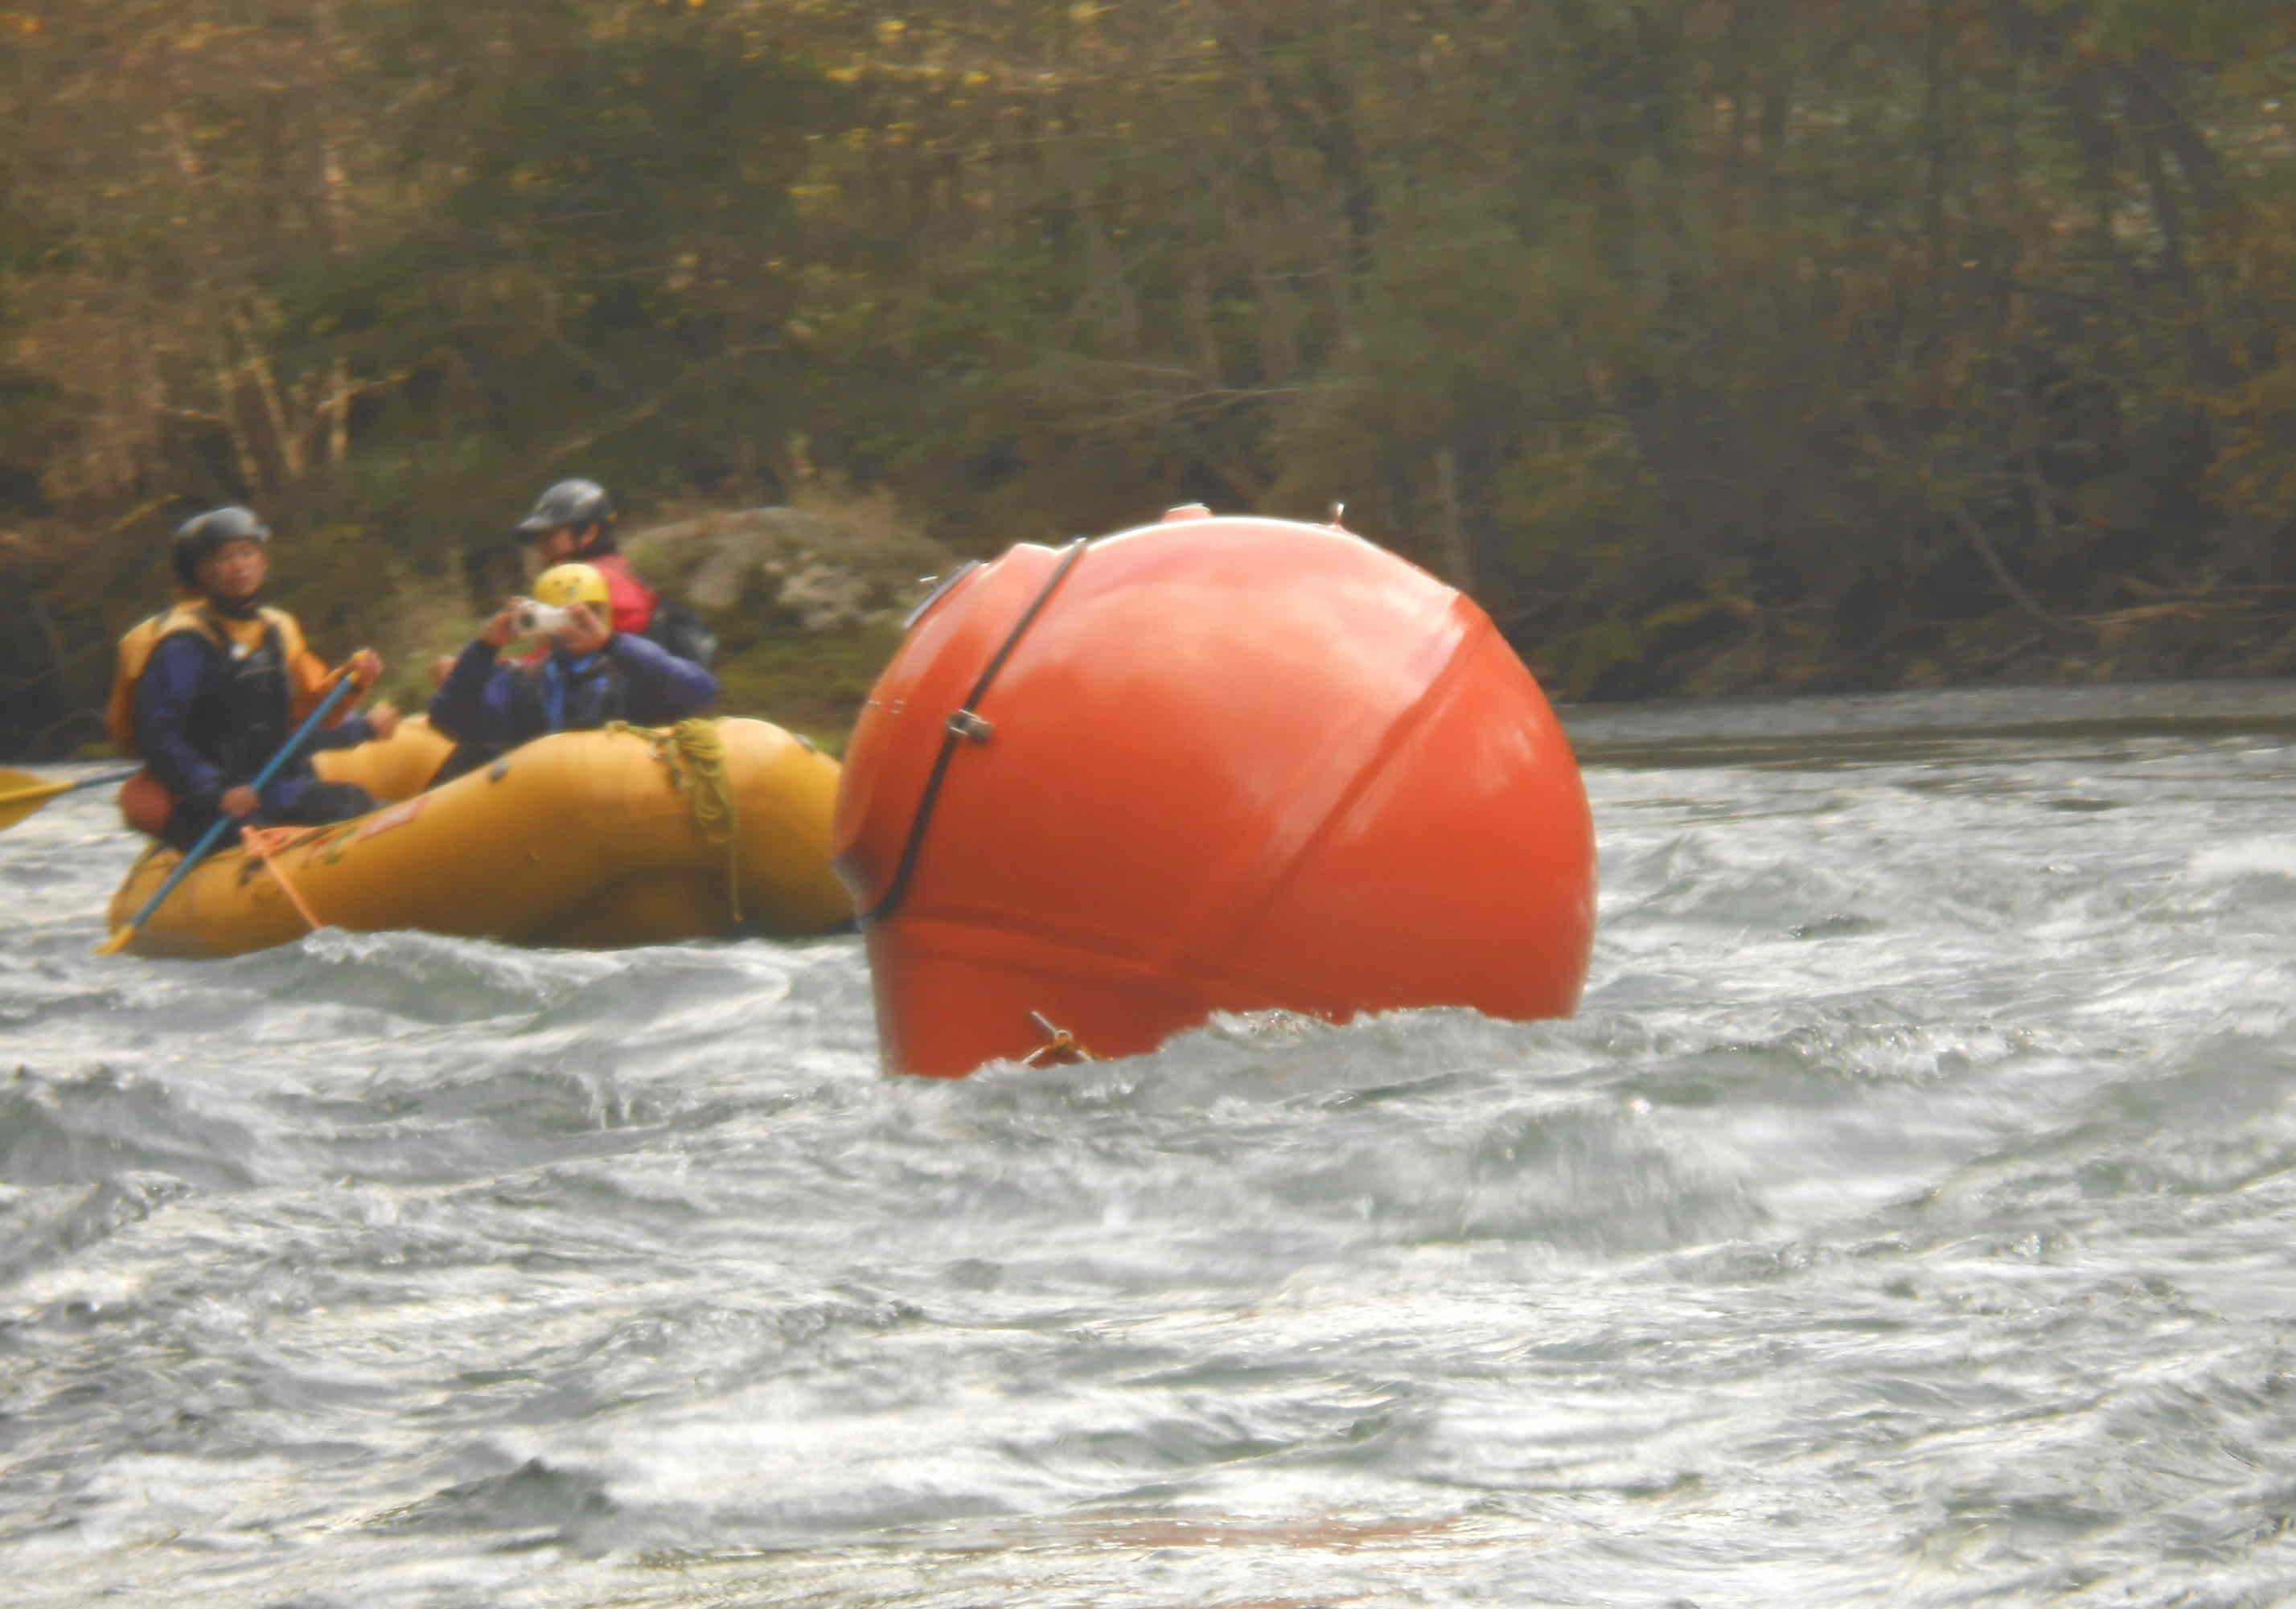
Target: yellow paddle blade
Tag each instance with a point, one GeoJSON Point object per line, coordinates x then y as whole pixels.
{"type": "Point", "coordinates": [12, 782]}
{"type": "Point", "coordinates": [116, 943]}
{"type": "Point", "coordinates": [21, 793]}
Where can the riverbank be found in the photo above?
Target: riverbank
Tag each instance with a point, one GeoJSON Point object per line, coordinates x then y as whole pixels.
{"type": "Point", "coordinates": [2202, 638]}
{"type": "Point", "coordinates": [807, 603]}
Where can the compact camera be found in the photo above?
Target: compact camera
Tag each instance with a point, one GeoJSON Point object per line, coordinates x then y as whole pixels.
{"type": "Point", "coordinates": [537, 618]}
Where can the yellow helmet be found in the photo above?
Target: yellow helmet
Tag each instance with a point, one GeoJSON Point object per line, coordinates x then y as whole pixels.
{"type": "Point", "coordinates": [564, 584]}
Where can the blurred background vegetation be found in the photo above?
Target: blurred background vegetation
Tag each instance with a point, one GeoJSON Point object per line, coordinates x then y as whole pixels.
{"type": "Point", "coordinates": [1711, 344]}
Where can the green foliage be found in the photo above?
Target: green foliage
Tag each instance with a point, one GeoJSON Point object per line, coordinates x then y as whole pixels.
{"type": "Point", "coordinates": [1877, 320]}
{"type": "Point", "coordinates": [813, 682]}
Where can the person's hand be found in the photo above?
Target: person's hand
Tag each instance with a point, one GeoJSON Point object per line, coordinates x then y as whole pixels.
{"type": "Point", "coordinates": [383, 718]}
{"type": "Point", "coordinates": [583, 632]}
{"type": "Point", "coordinates": [367, 665]}
{"type": "Point", "coordinates": [440, 669]}
{"type": "Point", "coordinates": [503, 629]}
{"type": "Point", "coordinates": [239, 802]}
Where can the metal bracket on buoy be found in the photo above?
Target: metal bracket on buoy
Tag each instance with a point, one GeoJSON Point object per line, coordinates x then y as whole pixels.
{"type": "Point", "coordinates": [1060, 1048]}
{"type": "Point", "coordinates": [961, 725]}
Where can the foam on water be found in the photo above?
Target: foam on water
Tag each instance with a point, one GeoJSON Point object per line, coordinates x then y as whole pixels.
{"type": "Point", "coordinates": [1903, 1220]}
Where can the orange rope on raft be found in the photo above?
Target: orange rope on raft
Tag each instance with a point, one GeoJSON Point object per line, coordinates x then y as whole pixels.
{"type": "Point", "coordinates": [264, 844]}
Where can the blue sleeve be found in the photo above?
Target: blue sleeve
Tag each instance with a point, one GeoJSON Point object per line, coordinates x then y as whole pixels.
{"type": "Point", "coordinates": [352, 732]}
{"type": "Point", "coordinates": [163, 700]}
{"type": "Point", "coordinates": [473, 705]}
{"type": "Point", "coordinates": [663, 687]}
{"type": "Point", "coordinates": [280, 797]}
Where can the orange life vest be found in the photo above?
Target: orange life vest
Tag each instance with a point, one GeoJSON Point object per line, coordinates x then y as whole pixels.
{"type": "Point", "coordinates": [138, 641]}
{"type": "Point", "coordinates": [145, 804]}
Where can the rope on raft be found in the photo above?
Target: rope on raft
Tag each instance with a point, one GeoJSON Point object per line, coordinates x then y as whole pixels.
{"type": "Point", "coordinates": [694, 753]}
{"type": "Point", "coordinates": [264, 844]}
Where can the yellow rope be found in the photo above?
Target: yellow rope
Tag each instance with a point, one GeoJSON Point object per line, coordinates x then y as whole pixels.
{"type": "Point", "coordinates": [694, 753]}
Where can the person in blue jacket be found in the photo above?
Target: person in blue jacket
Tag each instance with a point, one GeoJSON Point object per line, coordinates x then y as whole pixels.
{"type": "Point", "coordinates": [223, 685]}
{"type": "Point", "coordinates": [588, 674]}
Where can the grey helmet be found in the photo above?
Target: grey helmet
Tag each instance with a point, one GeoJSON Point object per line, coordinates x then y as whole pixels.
{"type": "Point", "coordinates": [576, 502]}
{"type": "Point", "coordinates": [201, 533]}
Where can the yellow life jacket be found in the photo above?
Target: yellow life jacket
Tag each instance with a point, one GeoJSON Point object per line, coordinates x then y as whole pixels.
{"type": "Point", "coordinates": [138, 641]}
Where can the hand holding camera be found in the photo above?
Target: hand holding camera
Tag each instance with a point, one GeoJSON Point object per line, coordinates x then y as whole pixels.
{"type": "Point", "coordinates": [538, 619]}
{"type": "Point", "coordinates": [574, 626]}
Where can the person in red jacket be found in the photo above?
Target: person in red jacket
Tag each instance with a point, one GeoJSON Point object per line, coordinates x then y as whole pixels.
{"type": "Point", "coordinates": [573, 522]}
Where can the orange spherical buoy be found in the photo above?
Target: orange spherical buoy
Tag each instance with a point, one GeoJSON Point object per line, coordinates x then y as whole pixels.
{"type": "Point", "coordinates": [1215, 764]}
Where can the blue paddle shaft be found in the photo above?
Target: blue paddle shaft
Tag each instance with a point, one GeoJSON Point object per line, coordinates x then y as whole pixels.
{"type": "Point", "coordinates": [198, 851]}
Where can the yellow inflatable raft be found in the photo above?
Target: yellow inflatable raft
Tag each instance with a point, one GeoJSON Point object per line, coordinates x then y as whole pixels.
{"type": "Point", "coordinates": [592, 840]}
{"type": "Point", "coordinates": [397, 766]}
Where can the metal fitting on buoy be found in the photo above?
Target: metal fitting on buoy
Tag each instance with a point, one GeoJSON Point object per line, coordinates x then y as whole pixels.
{"type": "Point", "coordinates": [1060, 1048]}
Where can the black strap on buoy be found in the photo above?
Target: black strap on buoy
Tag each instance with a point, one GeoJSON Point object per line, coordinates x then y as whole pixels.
{"type": "Point", "coordinates": [964, 724]}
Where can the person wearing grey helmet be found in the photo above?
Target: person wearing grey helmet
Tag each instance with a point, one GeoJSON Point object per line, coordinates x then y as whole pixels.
{"type": "Point", "coordinates": [572, 521]}
{"type": "Point", "coordinates": [206, 692]}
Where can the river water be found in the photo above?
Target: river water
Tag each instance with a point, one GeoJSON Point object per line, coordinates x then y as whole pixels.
{"type": "Point", "coordinates": [1904, 1220]}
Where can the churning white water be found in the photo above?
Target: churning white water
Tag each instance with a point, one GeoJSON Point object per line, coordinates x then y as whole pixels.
{"type": "Point", "coordinates": [1904, 1220]}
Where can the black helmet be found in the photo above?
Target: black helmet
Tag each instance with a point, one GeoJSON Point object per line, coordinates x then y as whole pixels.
{"type": "Point", "coordinates": [568, 503]}
{"type": "Point", "coordinates": [200, 535]}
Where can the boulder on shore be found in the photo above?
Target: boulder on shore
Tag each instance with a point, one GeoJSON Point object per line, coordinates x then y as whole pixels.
{"type": "Point", "coordinates": [813, 572]}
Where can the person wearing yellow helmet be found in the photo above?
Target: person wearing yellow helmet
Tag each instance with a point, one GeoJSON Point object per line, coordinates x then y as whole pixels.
{"type": "Point", "coordinates": [562, 586]}
{"type": "Point", "coordinates": [573, 521]}
{"type": "Point", "coordinates": [586, 674]}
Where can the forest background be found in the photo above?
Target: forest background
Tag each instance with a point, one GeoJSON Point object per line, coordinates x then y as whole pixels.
{"type": "Point", "coordinates": [1713, 345]}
